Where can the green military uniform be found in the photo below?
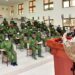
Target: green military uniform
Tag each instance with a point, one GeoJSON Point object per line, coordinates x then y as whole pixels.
{"type": "Point", "coordinates": [14, 25]}
{"type": "Point", "coordinates": [7, 45]}
{"type": "Point", "coordinates": [25, 32]}
{"type": "Point", "coordinates": [12, 21]}
{"type": "Point", "coordinates": [35, 46]}
{"type": "Point", "coordinates": [5, 22]}
{"type": "Point", "coordinates": [1, 34]}
{"type": "Point", "coordinates": [38, 38]}
{"type": "Point", "coordinates": [2, 28]}
{"type": "Point", "coordinates": [34, 28]}
{"type": "Point", "coordinates": [29, 33]}
{"type": "Point", "coordinates": [11, 31]}
{"type": "Point", "coordinates": [1, 39]}
{"type": "Point", "coordinates": [22, 42]}
{"type": "Point", "coordinates": [19, 39]}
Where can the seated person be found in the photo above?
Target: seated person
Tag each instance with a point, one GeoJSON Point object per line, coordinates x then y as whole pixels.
{"type": "Point", "coordinates": [34, 46]}
{"type": "Point", "coordinates": [59, 30]}
{"type": "Point", "coordinates": [7, 45]}
{"type": "Point", "coordinates": [16, 38]}
{"type": "Point", "coordinates": [5, 22]}
{"type": "Point", "coordinates": [12, 21]}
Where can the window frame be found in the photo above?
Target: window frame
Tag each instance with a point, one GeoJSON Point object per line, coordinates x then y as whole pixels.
{"type": "Point", "coordinates": [69, 23]}
{"type": "Point", "coordinates": [20, 9]}
{"type": "Point", "coordinates": [49, 3]}
{"type": "Point", "coordinates": [69, 3]}
{"type": "Point", "coordinates": [48, 19]}
{"type": "Point", "coordinates": [32, 7]}
{"type": "Point", "coordinates": [11, 10]}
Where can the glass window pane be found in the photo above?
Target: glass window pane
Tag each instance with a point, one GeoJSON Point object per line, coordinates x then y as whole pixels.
{"type": "Point", "coordinates": [52, 21]}
{"type": "Point", "coordinates": [72, 22]}
{"type": "Point", "coordinates": [66, 22]}
{"type": "Point", "coordinates": [31, 10]}
{"type": "Point", "coordinates": [67, 28]}
{"type": "Point", "coordinates": [51, 5]}
{"type": "Point", "coordinates": [47, 22]}
{"type": "Point", "coordinates": [34, 3]}
{"type": "Point", "coordinates": [72, 2]}
{"type": "Point", "coordinates": [11, 10]}
{"type": "Point", "coordinates": [51, 0]}
{"type": "Point", "coordinates": [46, 6]}
{"type": "Point", "coordinates": [31, 4]}
{"type": "Point", "coordinates": [46, 1]}
{"type": "Point", "coordinates": [46, 18]}
{"type": "Point", "coordinates": [19, 7]}
{"type": "Point", "coordinates": [66, 3]}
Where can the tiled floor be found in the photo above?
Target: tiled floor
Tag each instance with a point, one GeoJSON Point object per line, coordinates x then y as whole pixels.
{"type": "Point", "coordinates": [46, 69]}
{"type": "Point", "coordinates": [29, 66]}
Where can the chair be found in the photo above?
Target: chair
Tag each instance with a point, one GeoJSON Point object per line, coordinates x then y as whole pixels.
{"type": "Point", "coordinates": [17, 46]}
{"type": "Point", "coordinates": [4, 56]}
{"type": "Point", "coordinates": [29, 51]}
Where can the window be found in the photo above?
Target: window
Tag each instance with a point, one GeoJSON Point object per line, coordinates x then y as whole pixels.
{"type": "Point", "coordinates": [11, 10]}
{"type": "Point", "coordinates": [20, 9]}
{"type": "Point", "coordinates": [68, 3]}
{"type": "Point", "coordinates": [69, 22]}
{"type": "Point", "coordinates": [47, 21]}
{"type": "Point", "coordinates": [48, 4]}
{"type": "Point", "coordinates": [72, 3]}
{"type": "Point", "coordinates": [66, 22]}
{"type": "Point", "coordinates": [32, 6]}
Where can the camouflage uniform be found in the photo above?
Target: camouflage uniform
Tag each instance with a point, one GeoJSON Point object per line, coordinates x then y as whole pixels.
{"type": "Point", "coordinates": [7, 45]}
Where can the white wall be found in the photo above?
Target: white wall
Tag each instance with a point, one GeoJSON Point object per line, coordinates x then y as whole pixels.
{"type": "Point", "coordinates": [54, 14]}
{"type": "Point", "coordinates": [4, 11]}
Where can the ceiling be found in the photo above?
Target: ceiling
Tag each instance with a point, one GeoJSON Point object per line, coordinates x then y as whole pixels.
{"type": "Point", "coordinates": [10, 2]}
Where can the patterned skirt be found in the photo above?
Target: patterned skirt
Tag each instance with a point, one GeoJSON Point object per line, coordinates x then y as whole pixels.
{"type": "Point", "coordinates": [70, 51]}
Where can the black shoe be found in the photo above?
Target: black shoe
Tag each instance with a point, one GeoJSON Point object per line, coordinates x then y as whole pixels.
{"type": "Point", "coordinates": [35, 58]}
{"type": "Point", "coordinates": [40, 56]}
{"type": "Point", "coordinates": [14, 64]}
{"type": "Point", "coordinates": [11, 63]}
